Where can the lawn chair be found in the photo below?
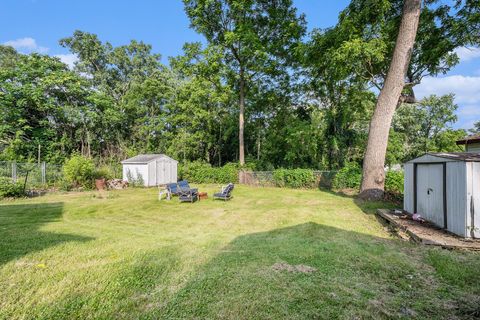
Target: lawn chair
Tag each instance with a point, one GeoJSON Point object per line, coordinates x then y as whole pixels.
{"type": "Point", "coordinates": [172, 189]}
{"type": "Point", "coordinates": [163, 191]}
{"type": "Point", "coordinates": [226, 193]}
{"type": "Point", "coordinates": [188, 195]}
{"type": "Point", "coordinates": [183, 185]}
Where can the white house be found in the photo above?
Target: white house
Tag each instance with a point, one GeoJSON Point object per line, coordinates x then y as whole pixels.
{"type": "Point", "coordinates": [152, 169]}
{"type": "Point", "coordinates": [444, 188]}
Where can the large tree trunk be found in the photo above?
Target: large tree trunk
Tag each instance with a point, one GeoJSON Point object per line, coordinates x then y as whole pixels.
{"type": "Point", "coordinates": [241, 119]}
{"type": "Point", "coordinates": [373, 181]}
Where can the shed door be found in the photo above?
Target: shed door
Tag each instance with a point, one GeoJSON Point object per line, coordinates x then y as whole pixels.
{"type": "Point", "coordinates": [430, 192]}
{"type": "Point", "coordinates": [166, 172]}
{"type": "Point", "coordinates": [160, 174]}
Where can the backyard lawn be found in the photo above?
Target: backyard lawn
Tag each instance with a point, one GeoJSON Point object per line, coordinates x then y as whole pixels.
{"type": "Point", "coordinates": [267, 254]}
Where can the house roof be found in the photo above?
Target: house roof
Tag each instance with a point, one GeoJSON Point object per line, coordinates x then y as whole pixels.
{"type": "Point", "coordinates": [146, 158]}
{"type": "Point", "coordinates": [460, 156]}
{"type": "Point", "coordinates": [469, 139]}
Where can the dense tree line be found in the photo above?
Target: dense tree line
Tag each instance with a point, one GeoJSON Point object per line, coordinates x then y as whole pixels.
{"type": "Point", "coordinates": [261, 90]}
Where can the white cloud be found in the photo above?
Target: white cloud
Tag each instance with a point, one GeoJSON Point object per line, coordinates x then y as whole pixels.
{"type": "Point", "coordinates": [68, 59]}
{"type": "Point", "coordinates": [465, 88]}
{"type": "Point", "coordinates": [467, 95]}
{"type": "Point", "coordinates": [26, 45]}
{"type": "Point", "coordinates": [467, 53]}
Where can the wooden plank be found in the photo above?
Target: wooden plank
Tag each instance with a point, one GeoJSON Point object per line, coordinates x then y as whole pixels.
{"type": "Point", "coordinates": [428, 234]}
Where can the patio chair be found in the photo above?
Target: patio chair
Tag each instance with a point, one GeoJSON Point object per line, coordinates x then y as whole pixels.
{"type": "Point", "coordinates": [164, 191]}
{"type": "Point", "coordinates": [226, 193]}
{"type": "Point", "coordinates": [188, 195]}
{"type": "Point", "coordinates": [172, 189]}
{"type": "Point", "coordinates": [183, 185]}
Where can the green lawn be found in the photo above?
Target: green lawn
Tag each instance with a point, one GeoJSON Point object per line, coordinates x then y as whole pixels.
{"type": "Point", "coordinates": [127, 256]}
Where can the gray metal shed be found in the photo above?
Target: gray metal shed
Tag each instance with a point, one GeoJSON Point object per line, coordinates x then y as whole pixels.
{"type": "Point", "coordinates": [444, 188]}
{"type": "Point", "coordinates": [153, 169]}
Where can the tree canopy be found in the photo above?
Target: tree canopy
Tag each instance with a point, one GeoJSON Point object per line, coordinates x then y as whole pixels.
{"type": "Point", "coordinates": [259, 91]}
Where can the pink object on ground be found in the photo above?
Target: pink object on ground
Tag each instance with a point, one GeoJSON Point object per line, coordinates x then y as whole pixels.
{"type": "Point", "coordinates": [417, 217]}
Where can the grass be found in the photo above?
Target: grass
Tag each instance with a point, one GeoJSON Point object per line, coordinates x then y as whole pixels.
{"type": "Point", "coordinates": [126, 255]}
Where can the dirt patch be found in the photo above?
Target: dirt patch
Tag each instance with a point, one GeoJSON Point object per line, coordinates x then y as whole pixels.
{"type": "Point", "coordinates": [283, 266]}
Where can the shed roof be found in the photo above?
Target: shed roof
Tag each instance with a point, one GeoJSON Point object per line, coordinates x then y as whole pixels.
{"type": "Point", "coordinates": [469, 139]}
{"type": "Point", "coordinates": [453, 156]}
{"type": "Point", "coordinates": [146, 158]}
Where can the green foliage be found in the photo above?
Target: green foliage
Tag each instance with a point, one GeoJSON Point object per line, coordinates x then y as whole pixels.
{"type": "Point", "coordinates": [294, 178]}
{"type": "Point", "coordinates": [394, 181]}
{"type": "Point", "coordinates": [200, 172]}
{"type": "Point", "coordinates": [350, 176]}
{"type": "Point", "coordinates": [123, 244]}
{"type": "Point", "coordinates": [307, 105]}
{"type": "Point", "coordinates": [104, 172]}
{"type": "Point", "coordinates": [423, 127]}
{"type": "Point", "coordinates": [476, 128]}
{"type": "Point", "coordinates": [10, 189]}
{"type": "Point", "coordinates": [79, 171]}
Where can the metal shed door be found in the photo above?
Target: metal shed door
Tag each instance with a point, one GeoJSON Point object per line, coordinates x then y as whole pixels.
{"type": "Point", "coordinates": [430, 196]}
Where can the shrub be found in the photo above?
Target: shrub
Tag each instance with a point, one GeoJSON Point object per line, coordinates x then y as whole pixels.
{"type": "Point", "coordinates": [350, 176]}
{"type": "Point", "coordinates": [64, 185]}
{"type": "Point", "coordinates": [200, 172]}
{"type": "Point", "coordinates": [79, 171]}
{"type": "Point", "coordinates": [394, 182]}
{"type": "Point", "coordinates": [294, 178]}
{"type": "Point", "coordinates": [10, 189]}
{"type": "Point", "coordinates": [104, 172]}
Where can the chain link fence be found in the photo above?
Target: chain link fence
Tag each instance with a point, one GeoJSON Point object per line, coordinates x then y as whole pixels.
{"type": "Point", "coordinates": [34, 174]}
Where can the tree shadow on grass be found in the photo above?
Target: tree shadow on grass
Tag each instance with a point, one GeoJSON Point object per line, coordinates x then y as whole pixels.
{"type": "Point", "coordinates": [20, 232]}
{"type": "Point", "coordinates": [357, 276]}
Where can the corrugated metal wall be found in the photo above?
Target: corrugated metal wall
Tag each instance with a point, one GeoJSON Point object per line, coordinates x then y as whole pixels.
{"type": "Point", "coordinates": [408, 188]}
{"type": "Point", "coordinates": [456, 197]}
{"type": "Point", "coordinates": [463, 194]}
{"type": "Point", "coordinates": [473, 199]}
{"type": "Point", "coordinates": [430, 193]}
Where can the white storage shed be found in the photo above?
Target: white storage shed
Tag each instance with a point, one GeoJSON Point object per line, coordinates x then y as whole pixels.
{"type": "Point", "coordinates": [444, 188]}
{"type": "Point", "coordinates": [152, 169]}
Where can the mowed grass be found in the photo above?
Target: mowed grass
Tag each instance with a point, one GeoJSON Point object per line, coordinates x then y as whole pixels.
{"type": "Point", "coordinates": [125, 255]}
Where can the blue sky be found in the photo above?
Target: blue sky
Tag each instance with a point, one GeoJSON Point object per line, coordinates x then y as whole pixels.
{"type": "Point", "coordinates": [37, 25]}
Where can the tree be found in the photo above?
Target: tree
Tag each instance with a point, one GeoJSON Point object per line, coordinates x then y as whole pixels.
{"type": "Point", "coordinates": [423, 127]}
{"type": "Point", "coordinates": [343, 63]}
{"type": "Point", "coordinates": [201, 114]}
{"type": "Point", "coordinates": [123, 79]}
{"type": "Point", "coordinates": [256, 38]}
{"type": "Point", "coordinates": [476, 128]}
{"type": "Point", "coordinates": [37, 96]}
{"type": "Point", "coordinates": [373, 177]}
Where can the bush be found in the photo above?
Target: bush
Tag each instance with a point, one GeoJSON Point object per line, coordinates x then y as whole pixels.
{"type": "Point", "coordinates": [10, 189]}
{"type": "Point", "coordinates": [349, 177]}
{"type": "Point", "coordinates": [200, 172]}
{"type": "Point", "coordinates": [79, 171]}
{"type": "Point", "coordinates": [294, 178]}
{"type": "Point", "coordinates": [104, 172]}
{"type": "Point", "coordinates": [394, 182]}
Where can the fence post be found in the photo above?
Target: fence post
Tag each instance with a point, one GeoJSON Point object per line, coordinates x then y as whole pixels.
{"type": "Point", "coordinates": [44, 172]}
{"type": "Point", "coordinates": [14, 171]}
